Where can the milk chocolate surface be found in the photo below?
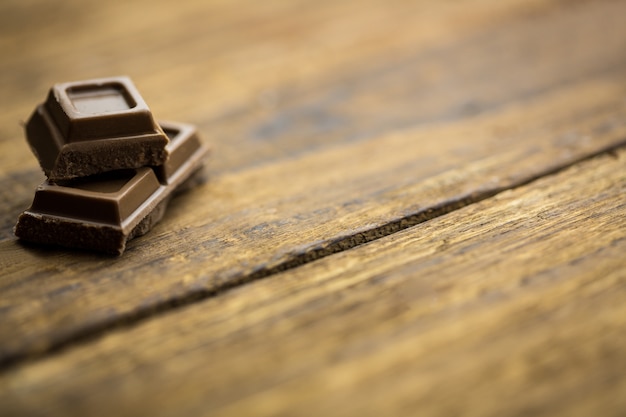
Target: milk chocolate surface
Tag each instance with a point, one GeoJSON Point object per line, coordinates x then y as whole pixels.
{"type": "Point", "coordinates": [106, 199]}
{"type": "Point", "coordinates": [103, 212]}
{"type": "Point", "coordinates": [184, 148]}
{"type": "Point", "coordinates": [88, 127]}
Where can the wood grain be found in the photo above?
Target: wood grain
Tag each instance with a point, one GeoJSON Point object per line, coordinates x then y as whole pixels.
{"type": "Point", "coordinates": [270, 80]}
{"type": "Point", "coordinates": [255, 222]}
{"type": "Point", "coordinates": [512, 306]}
{"type": "Point", "coordinates": [470, 100]}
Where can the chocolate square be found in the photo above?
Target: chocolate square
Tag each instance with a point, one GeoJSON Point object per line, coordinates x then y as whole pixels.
{"type": "Point", "coordinates": [88, 127]}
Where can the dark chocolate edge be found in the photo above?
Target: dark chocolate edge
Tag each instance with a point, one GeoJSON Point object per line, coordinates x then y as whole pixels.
{"type": "Point", "coordinates": [77, 159]}
{"type": "Point", "coordinates": [58, 231]}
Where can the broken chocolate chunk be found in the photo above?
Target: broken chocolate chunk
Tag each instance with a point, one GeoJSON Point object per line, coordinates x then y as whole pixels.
{"type": "Point", "coordinates": [89, 127]}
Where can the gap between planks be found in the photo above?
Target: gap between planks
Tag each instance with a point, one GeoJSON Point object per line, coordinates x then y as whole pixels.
{"type": "Point", "coordinates": [334, 246]}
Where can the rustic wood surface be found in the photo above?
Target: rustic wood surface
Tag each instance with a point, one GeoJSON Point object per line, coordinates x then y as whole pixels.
{"type": "Point", "coordinates": [332, 124]}
{"type": "Point", "coordinates": [511, 306]}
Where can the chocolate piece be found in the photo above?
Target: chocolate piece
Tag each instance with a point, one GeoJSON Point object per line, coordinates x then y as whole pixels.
{"type": "Point", "coordinates": [103, 212]}
{"type": "Point", "coordinates": [184, 148]}
{"type": "Point", "coordinates": [88, 127]}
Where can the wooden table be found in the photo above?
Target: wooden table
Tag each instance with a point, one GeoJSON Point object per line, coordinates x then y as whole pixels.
{"type": "Point", "coordinates": [414, 208]}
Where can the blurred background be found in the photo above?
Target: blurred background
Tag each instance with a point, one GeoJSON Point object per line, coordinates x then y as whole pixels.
{"type": "Point", "coordinates": [295, 74]}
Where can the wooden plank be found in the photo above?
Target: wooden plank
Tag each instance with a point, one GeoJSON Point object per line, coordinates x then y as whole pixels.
{"type": "Point", "coordinates": [254, 222]}
{"type": "Point", "coordinates": [251, 223]}
{"type": "Point", "coordinates": [255, 218]}
{"type": "Point", "coordinates": [512, 306]}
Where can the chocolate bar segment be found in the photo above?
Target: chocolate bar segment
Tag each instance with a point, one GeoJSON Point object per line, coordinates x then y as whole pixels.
{"type": "Point", "coordinates": [99, 215]}
{"type": "Point", "coordinates": [88, 127]}
{"type": "Point", "coordinates": [106, 199]}
{"type": "Point", "coordinates": [102, 213]}
{"type": "Point", "coordinates": [184, 148]}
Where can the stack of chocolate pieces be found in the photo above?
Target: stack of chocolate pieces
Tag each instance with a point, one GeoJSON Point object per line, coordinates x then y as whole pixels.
{"type": "Point", "coordinates": [111, 168]}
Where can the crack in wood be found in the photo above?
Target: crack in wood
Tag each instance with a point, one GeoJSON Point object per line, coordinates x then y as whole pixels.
{"type": "Point", "coordinates": [340, 244]}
